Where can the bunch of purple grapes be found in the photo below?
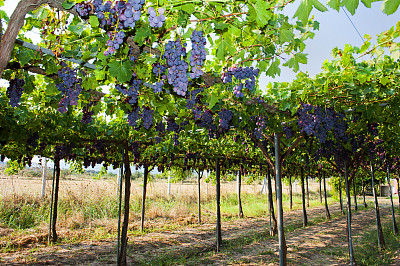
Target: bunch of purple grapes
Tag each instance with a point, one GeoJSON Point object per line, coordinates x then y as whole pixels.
{"type": "Point", "coordinates": [117, 17]}
{"type": "Point", "coordinates": [71, 87]}
{"type": "Point", "coordinates": [147, 116]}
{"type": "Point", "coordinates": [160, 127]}
{"type": "Point", "coordinates": [126, 13]}
{"type": "Point", "coordinates": [288, 131]}
{"type": "Point", "coordinates": [14, 91]}
{"type": "Point", "coordinates": [198, 54]}
{"type": "Point", "coordinates": [373, 128]}
{"type": "Point", "coordinates": [237, 90]}
{"type": "Point", "coordinates": [133, 116]}
{"type": "Point", "coordinates": [83, 9]}
{"type": "Point", "coordinates": [157, 86]}
{"type": "Point", "coordinates": [156, 22]}
{"type": "Point", "coordinates": [177, 67]}
{"type": "Point", "coordinates": [159, 69]}
{"type": "Point", "coordinates": [192, 98]}
{"type": "Point", "coordinates": [317, 121]}
{"type": "Point", "coordinates": [133, 90]}
{"type": "Point", "coordinates": [225, 116]}
{"type": "Point", "coordinates": [260, 126]}
{"type": "Point", "coordinates": [248, 74]}
{"type": "Point", "coordinates": [115, 41]}
{"type": "Point", "coordinates": [174, 127]}
{"type": "Point", "coordinates": [87, 114]}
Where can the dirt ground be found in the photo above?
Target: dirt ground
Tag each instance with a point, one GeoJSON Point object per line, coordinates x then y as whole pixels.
{"type": "Point", "coordinates": [307, 246]}
{"type": "Point", "coordinates": [195, 243]}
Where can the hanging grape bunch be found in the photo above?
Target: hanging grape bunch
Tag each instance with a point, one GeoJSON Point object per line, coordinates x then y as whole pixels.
{"type": "Point", "coordinates": [14, 91]}
{"type": "Point", "coordinates": [177, 67]}
{"type": "Point", "coordinates": [70, 87]}
{"type": "Point", "coordinates": [198, 54]}
{"type": "Point", "coordinates": [246, 74]}
{"type": "Point", "coordinates": [116, 17]}
{"type": "Point", "coordinates": [154, 20]}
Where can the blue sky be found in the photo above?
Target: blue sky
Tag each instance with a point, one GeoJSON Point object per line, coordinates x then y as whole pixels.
{"type": "Point", "coordinates": [336, 30]}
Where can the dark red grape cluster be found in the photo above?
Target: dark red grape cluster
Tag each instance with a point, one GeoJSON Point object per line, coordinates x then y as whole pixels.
{"type": "Point", "coordinates": [70, 87]}
{"type": "Point", "coordinates": [14, 91]}
{"type": "Point", "coordinates": [198, 53]}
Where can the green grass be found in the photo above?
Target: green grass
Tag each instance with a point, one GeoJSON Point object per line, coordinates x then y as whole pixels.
{"type": "Point", "coordinates": [366, 250]}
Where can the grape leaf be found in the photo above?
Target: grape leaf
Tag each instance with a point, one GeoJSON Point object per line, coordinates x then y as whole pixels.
{"type": "Point", "coordinates": [94, 21]}
{"type": "Point", "coordinates": [141, 35]}
{"type": "Point", "coordinates": [305, 7]}
{"type": "Point", "coordinates": [262, 12]}
{"type": "Point", "coordinates": [286, 33]}
{"type": "Point", "coordinates": [274, 69]}
{"type": "Point", "coordinates": [120, 70]}
{"type": "Point", "coordinates": [68, 5]}
{"type": "Point", "coordinates": [351, 5]}
{"type": "Point", "coordinates": [390, 6]}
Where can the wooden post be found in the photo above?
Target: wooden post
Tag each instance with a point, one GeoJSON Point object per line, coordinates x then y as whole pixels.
{"type": "Point", "coordinates": [125, 223]}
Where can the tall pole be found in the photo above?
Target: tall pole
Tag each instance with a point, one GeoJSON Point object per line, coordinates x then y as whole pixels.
{"type": "Point", "coordinates": [381, 242]}
{"type": "Point", "coordinates": [278, 176]}
{"type": "Point", "coordinates": [44, 177]}
{"type": "Point", "coordinates": [340, 193]}
{"type": "Point", "coordinates": [121, 172]}
{"type": "Point", "coordinates": [328, 215]}
{"type": "Point", "coordinates": [349, 239]}
{"type": "Point", "coordinates": [303, 200]}
{"type": "Point", "coordinates": [146, 173]}
{"type": "Point", "coordinates": [239, 178]}
{"type": "Point", "coordinates": [395, 229]}
{"type": "Point", "coordinates": [218, 196]}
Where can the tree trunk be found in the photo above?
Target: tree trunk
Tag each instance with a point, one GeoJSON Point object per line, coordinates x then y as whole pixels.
{"type": "Point", "coordinates": [218, 195]}
{"type": "Point", "coordinates": [354, 193]}
{"type": "Point", "coordinates": [273, 230]}
{"type": "Point", "coordinates": [305, 220]}
{"type": "Point", "coordinates": [349, 236]}
{"type": "Point", "coordinates": [340, 193]}
{"type": "Point", "coordinates": [327, 213]}
{"type": "Point", "coordinates": [55, 203]}
{"type": "Point", "coordinates": [290, 193]}
{"type": "Point", "coordinates": [381, 241]}
{"type": "Point", "coordinates": [124, 231]}
{"type": "Point", "coordinates": [146, 173]}
{"type": "Point", "coordinates": [281, 232]}
{"type": "Point", "coordinates": [44, 177]}
{"type": "Point", "coordinates": [17, 21]}
{"type": "Point", "coordinates": [363, 188]}
{"type": "Point", "coordinates": [239, 191]}
{"type": "Point", "coordinates": [395, 229]}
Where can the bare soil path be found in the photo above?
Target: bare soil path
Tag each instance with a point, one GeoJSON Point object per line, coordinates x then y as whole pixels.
{"type": "Point", "coordinates": [246, 242]}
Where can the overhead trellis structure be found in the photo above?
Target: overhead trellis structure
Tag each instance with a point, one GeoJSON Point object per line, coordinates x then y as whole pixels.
{"type": "Point", "coordinates": [169, 105]}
